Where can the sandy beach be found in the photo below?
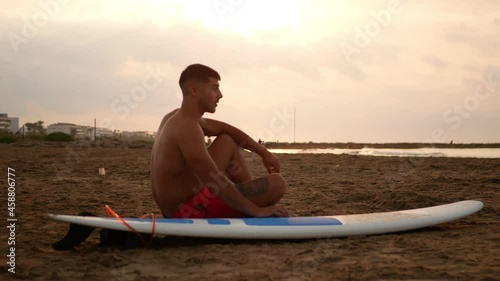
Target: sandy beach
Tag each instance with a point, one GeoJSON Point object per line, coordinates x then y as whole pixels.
{"type": "Point", "coordinates": [63, 180]}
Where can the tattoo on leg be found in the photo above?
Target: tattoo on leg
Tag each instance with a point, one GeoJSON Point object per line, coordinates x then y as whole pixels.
{"type": "Point", "coordinates": [254, 187]}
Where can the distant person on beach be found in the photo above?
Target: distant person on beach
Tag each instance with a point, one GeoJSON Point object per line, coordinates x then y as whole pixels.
{"type": "Point", "coordinates": [191, 180]}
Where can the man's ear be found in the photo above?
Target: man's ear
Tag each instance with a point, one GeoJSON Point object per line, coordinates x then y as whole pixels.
{"type": "Point", "coordinates": [193, 90]}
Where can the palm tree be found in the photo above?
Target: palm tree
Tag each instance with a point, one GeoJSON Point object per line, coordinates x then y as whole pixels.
{"type": "Point", "coordinates": [35, 128]}
{"type": "Point", "coordinates": [39, 127]}
{"type": "Point", "coordinates": [31, 127]}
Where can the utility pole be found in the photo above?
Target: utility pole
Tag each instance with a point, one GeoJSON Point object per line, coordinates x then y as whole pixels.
{"type": "Point", "coordinates": [294, 124]}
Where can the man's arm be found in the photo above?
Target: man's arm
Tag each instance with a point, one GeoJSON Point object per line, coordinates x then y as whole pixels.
{"type": "Point", "coordinates": [194, 152]}
{"type": "Point", "coordinates": [214, 128]}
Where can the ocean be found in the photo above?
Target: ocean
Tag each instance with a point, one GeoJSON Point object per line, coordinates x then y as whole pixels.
{"type": "Point", "coordinates": [397, 152]}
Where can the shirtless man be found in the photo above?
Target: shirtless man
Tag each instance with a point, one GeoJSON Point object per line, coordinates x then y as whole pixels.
{"type": "Point", "coordinates": [191, 180]}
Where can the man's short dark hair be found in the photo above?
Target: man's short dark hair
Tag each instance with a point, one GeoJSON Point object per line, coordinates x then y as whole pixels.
{"type": "Point", "coordinates": [198, 72]}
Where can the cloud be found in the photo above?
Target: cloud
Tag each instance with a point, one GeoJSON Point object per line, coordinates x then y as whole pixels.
{"type": "Point", "coordinates": [482, 37]}
{"type": "Point", "coordinates": [75, 70]}
{"type": "Point", "coordinates": [435, 62]}
{"type": "Point", "coordinates": [89, 59]}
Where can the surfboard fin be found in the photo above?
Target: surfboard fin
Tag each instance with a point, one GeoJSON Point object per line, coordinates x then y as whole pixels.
{"type": "Point", "coordinates": [75, 236]}
{"type": "Point", "coordinates": [122, 240]}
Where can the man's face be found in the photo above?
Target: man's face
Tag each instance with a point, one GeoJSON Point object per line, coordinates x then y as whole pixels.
{"type": "Point", "coordinates": [210, 94]}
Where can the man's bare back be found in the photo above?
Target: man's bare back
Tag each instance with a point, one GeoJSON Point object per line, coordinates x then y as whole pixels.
{"type": "Point", "coordinates": [172, 181]}
{"type": "Point", "coordinates": [181, 164]}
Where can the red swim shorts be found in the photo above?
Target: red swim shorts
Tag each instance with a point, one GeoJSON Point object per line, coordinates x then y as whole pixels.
{"type": "Point", "coordinates": [206, 205]}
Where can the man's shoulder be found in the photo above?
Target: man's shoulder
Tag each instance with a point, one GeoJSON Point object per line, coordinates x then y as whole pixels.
{"type": "Point", "coordinates": [181, 126]}
{"type": "Point", "coordinates": [174, 119]}
{"type": "Point", "coordinates": [179, 121]}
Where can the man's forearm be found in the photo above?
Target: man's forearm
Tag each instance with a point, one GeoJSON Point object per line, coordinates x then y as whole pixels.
{"type": "Point", "coordinates": [214, 128]}
{"type": "Point", "coordinates": [243, 140]}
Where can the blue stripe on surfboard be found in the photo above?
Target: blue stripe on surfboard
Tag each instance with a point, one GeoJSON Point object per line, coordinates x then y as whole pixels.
{"type": "Point", "coordinates": [296, 221]}
{"type": "Point", "coordinates": [218, 221]}
{"type": "Point", "coordinates": [184, 221]}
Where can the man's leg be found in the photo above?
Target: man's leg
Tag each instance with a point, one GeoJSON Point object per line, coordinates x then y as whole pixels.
{"type": "Point", "coordinates": [227, 156]}
{"type": "Point", "coordinates": [263, 191]}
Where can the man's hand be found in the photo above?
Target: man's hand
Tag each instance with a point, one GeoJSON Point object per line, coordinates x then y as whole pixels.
{"type": "Point", "coordinates": [212, 127]}
{"type": "Point", "coordinates": [271, 162]}
{"type": "Point", "coordinates": [272, 211]}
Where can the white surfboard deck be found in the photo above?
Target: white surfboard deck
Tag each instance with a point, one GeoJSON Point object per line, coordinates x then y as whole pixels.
{"type": "Point", "coordinates": [289, 228]}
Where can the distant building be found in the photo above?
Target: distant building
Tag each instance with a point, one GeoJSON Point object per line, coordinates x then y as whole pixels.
{"type": "Point", "coordinates": [7, 123]}
{"type": "Point", "coordinates": [138, 135]}
{"type": "Point", "coordinates": [79, 131]}
{"type": "Point", "coordinates": [99, 133]}
{"type": "Point", "coordinates": [91, 133]}
{"type": "Point", "coordinates": [67, 128]}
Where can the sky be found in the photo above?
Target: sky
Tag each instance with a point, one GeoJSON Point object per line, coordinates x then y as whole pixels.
{"type": "Point", "coordinates": [321, 71]}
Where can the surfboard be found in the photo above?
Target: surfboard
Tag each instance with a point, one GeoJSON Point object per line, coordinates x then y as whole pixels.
{"type": "Point", "coordinates": [288, 228]}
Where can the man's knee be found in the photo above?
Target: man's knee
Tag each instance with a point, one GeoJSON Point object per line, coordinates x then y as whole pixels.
{"type": "Point", "coordinates": [278, 184]}
{"type": "Point", "coordinates": [226, 140]}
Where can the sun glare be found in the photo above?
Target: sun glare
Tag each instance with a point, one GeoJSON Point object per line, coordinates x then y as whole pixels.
{"type": "Point", "coordinates": [301, 20]}
{"type": "Point", "coordinates": [245, 16]}
{"type": "Point", "coordinates": [265, 20]}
